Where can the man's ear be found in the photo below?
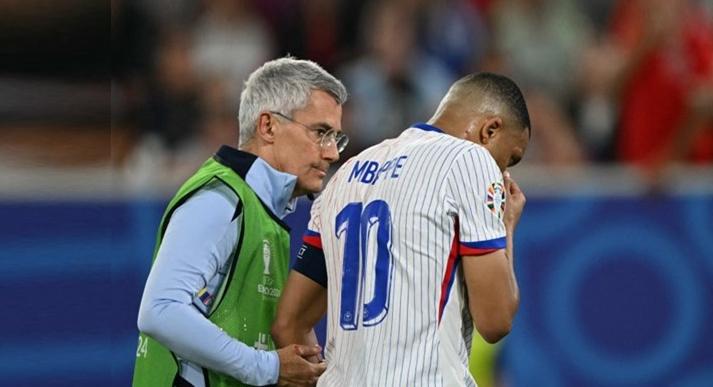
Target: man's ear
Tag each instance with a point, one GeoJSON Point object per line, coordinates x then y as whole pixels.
{"type": "Point", "coordinates": [265, 128]}
{"type": "Point", "coordinates": [491, 128]}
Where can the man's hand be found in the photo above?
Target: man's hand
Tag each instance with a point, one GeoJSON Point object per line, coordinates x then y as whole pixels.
{"type": "Point", "coordinates": [514, 204]}
{"type": "Point", "coordinates": [295, 370]}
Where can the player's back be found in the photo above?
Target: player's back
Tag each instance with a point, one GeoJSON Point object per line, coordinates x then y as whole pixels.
{"type": "Point", "coordinates": [388, 225]}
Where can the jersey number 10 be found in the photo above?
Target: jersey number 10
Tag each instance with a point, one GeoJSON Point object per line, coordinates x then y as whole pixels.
{"type": "Point", "coordinates": [355, 224]}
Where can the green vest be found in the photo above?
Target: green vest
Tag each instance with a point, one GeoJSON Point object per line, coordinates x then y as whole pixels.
{"type": "Point", "coordinates": [246, 303]}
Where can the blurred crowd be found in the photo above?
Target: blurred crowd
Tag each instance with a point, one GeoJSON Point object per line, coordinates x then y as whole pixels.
{"type": "Point", "coordinates": [606, 81]}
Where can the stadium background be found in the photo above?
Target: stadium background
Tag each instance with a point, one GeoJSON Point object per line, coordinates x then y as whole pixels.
{"type": "Point", "coordinates": [106, 107]}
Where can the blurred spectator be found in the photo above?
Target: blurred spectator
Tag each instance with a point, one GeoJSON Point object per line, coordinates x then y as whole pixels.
{"type": "Point", "coordinates": [132, 46]}
{"type": "Point", "coordinates": [133, 34]}
{"type": "Point", "coordinates": [220, 119]}
{"type": "Point", "coordinates": [309, 29]}
{"type": "Point", "coordinates": [539, 42]}
{"type": "Point", "coordinates": [665, 82]}
{"type": "Point", "coordinates": [454, 32]}
{"type": "Point", "coordinates": [229, 42]}
{"type": "Point", "coordinates": [171, 14]}
{"type": "Point", "coordinates": [595, 107]}
{"type": "Point", "coordinates": [325, 31]}
{"type": "Point", "coordinates": [601, 75]}
{"type": "Point", "coordinates": [484, 6]}
{"type": "Point", "coordinates": [598, 12]}
{"type": "Point", "coordinates": [319, 30]}
{"type": "Point", "coordinates": [171, 117]}
{"type": "Point", "coordinates": [553, 138]}
{"type": "Point", "coordinates": [136, 28]}
{"type": "Point", "coordinates": [392, 84]}
{"type": "Point", "coordinates": [597, 104]}
{"type": "Point", "coordinates": [173, 107]}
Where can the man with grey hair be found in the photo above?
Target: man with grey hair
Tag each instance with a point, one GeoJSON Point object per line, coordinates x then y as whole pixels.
{"type": "Point", "coordinates": [222, 251]}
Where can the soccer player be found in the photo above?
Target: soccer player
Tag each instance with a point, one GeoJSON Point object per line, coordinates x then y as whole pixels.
{"type": "Point", "coordinates": [222, 254]}
{"type": "Point", "coordinates": [411, 244]}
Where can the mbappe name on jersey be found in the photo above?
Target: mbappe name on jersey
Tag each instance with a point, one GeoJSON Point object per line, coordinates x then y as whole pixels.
{"type": "Point", "coordinates": [369, 171]}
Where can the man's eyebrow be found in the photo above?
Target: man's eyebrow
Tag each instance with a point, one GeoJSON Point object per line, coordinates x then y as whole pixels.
{"type": "Point", "coordinates": [325, 126]}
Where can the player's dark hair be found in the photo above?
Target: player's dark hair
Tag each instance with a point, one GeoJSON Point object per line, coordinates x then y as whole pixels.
{"type": "Point", "coordinates": [503, 90]}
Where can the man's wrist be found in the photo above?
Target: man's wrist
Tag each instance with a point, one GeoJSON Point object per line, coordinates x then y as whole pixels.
{"type": "Point", "coordinates": [274, 358]}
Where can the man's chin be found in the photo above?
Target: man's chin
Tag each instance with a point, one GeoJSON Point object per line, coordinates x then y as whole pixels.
{"type": "Point", "coordinates": [317, 188]}
{"type": "Point", "coordinates": [311, 189]}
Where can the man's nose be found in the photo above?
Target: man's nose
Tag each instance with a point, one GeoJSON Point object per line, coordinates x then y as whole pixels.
{"type": "Point", "coordinates": [330, 153]}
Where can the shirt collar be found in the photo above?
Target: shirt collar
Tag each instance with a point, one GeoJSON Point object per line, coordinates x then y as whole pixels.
{"type": "Point", "coordinates": [426, 127]}
{"type": "Point", "coordinates": [273, 187]}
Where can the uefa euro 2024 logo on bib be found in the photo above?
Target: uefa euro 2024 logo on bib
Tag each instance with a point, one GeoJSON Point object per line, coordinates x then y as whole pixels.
{"type": "Point", "coordinates": [495, 199]}
{"type": "Point", "coordinates": [266, 255]}
{"type": "Point", "coordinates": [267, 287]}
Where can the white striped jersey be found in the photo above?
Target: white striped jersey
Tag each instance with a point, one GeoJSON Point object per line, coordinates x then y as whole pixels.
{"type": "Point", "coordinates": [392, 225]}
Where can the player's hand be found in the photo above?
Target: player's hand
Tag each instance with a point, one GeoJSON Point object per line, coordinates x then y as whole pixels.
{"type": "Point", "coordinates": [295, 370]}
{"type": "Point", "coordinates": [514, 204]}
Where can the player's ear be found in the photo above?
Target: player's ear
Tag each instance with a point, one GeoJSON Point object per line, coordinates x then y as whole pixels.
{"type": "Point", "coordinates": [490, 129]}
{"type": "Point", "coordinates": [265, 127]}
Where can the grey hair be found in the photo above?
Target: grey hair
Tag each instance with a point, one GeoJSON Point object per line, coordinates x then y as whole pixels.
{"type": "Point", "coordinates": [283, 85]}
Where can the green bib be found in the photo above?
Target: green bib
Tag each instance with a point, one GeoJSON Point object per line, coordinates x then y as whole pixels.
{"type": "Point", "coordinates": [246, 303]}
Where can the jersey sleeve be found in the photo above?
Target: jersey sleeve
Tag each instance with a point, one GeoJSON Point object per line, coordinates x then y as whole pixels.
{"type": "Point", "coordinates": [476, 194]}
{"type": "Point", "coordinates": [310, 258]}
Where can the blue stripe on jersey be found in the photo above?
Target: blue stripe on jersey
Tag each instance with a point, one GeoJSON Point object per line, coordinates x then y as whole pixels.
{"type": "Point", "coordinates": [497, 243]}
{"type": "Point", "coordinates": [309, 232]}
{"type": "Point", "coordinates": [447, 294]}
{"type": "Point", "coordinates": [481, 248]}
{"type": "Point", "coordinates": [450, 274]}
{"type": "Point", "coordinates": [426, 127]}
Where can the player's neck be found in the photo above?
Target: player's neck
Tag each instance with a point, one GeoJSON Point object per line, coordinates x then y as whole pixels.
{"type": "Point", "coordinates": [448, 125]}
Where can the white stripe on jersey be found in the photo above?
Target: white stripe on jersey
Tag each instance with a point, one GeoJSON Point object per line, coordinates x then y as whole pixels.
{"type": "Point", "coordinates": [427, 182]}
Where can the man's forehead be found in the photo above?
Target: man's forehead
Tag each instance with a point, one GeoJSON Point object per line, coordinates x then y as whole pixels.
{"type": "Point", "coordinates": [318, 101]}
{"type": "Point", "coordinates": [322, 108]}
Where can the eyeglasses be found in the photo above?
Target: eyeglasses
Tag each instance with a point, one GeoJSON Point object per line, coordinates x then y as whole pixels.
{"type": "Point", "coordinates": [327, 137]}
